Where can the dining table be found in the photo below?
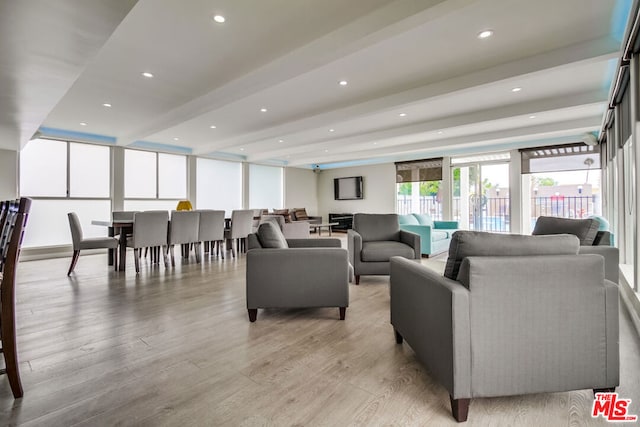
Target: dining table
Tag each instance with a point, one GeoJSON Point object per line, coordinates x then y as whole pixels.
{"type": "Point", "coordinates": [120, 227]}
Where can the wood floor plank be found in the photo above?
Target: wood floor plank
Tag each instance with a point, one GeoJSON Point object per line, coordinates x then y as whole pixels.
{"type": "Point", "coordinates": [174, 347]}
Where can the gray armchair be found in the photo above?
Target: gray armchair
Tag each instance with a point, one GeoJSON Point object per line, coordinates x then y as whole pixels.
{"type": "Point", "coordinates": [295, 273]}
{"type": "Point", "coordinates": [512, 315]}
{"type": "Point", "coordinates": [374, 239]}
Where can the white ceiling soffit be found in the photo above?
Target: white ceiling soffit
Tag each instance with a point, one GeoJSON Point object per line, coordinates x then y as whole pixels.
{"type": "Point", "coordinates": [419, 80]}
{"type": "Point", "coordinates": [44, 47]}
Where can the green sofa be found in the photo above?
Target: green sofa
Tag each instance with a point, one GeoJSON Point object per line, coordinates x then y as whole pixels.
{"type": "Point", "coordinates": [435, 236]}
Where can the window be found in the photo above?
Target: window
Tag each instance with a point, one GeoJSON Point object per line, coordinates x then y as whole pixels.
{"type": "Point", "coordinates": [64, 177]}
{"type": "Point", "coordinates": [154, 180]}
{"type": "Point", "coordinates": [218, 185]}
{"type": "Point", "coordinates": [418, 187]}
{"type": "Point", "coordinates": [265, 187]}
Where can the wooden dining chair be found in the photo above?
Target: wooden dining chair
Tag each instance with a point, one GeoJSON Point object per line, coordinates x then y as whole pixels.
{"type": "Point", "coordinates": [80, 242]}
{"type": "Point", "coordinates": [13, 224]}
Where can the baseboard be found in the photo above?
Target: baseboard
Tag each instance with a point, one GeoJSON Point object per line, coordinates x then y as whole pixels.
{"type": "Point", "coordinates": [48, 252]}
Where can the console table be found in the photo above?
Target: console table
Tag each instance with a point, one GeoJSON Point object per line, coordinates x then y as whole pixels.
{"type": "Point", "coordinates": [344, 221]}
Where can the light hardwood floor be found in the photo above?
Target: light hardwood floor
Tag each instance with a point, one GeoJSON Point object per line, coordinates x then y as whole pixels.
{"type": "Point", "coordinates": [175, 347]}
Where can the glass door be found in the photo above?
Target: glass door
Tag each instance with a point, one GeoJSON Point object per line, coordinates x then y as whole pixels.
{"type": "Point", "coordinates": [481, 196]}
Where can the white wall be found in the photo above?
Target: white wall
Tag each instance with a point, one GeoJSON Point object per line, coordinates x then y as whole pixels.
{"type": "Point", "coordinates": [301, 189]}
{"type": "Point", "coordinates": [8, 174]}
{"type": "Point", "coordinates": [379, 187]}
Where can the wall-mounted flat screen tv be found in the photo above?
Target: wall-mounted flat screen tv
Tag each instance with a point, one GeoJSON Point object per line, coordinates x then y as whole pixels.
{"type": "Point", "coordinates": [349, 188]}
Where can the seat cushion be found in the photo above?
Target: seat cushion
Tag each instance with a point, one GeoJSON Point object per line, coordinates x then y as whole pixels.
{"type": "Point", "coordinates": [270, 236]}
{"type": "Point", "coordinates": [424, 219]}
{"type": "Point", "coordinates": [409, 219]}
{"type": "Point", "coordinates": [585, 229]}
{"type": "Point", "coordinates": [477, 243]}
{"type": "Point", "coordinates": [382, 251]}
{"type": "Point", "coordinates": [436, 236]}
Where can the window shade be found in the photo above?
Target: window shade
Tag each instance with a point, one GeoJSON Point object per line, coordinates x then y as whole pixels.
{"type": "Point", "coordinates": [560, 158]}
{"type": "Point", "coordinates": [419, 170]}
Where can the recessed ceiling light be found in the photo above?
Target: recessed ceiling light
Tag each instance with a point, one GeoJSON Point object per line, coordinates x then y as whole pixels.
{"type": "Point", "coordinates": [83, 124]}
{"type": "Point", "coordinates": [242, 149]}
{"type": "Point", "coordinates": [176, 139]}
{"type": "Point", "coordinates": [375, 143]}
{"type": "Point", "coordinates": [343, 82]}
{"type": "Point", "coordinates": [263, 110]}
{"type": "Point", "coordinates": [281, 140]}
{"type": "Point", "coordinates": [403, 114]}
{"type": "Point", "coordinates": [485, 34]}
{"type": "Point", "coordinates": [219, 19]}
{"type": "Point", "coordinates": [332, 130]}
{"type": "Point", "coordinates": [326, 151]}
{"type": "Point", "coordinates": [106, 104]}
{"type": "Point", "coordinates": [516, 89]}
{"type": "Point", "coordinates": [212, 126]}
{"type": "Point", "coordinates": [440, 132]}
{"type": "Point", "coordinates": [532, 117]}
{"type": "Point", "coordinates": [147, 75]}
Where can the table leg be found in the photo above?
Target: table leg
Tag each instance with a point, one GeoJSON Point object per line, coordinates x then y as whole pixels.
{"type": "Point", "coordinates": [110, 233]}
{"type": "Point", "coordinates": [329, 230]}
{"type": "Point", "coordinates": [123, 249]}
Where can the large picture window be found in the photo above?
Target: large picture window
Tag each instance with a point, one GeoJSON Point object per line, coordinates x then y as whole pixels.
{"type": "Point", "coordinates": [218, 185]}
{"type": "Point", "coordinates": [265, 187]}
{"type": "Point", "coordinates": [63, 177]}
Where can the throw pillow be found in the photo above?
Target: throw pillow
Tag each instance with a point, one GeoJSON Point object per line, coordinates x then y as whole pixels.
{"type": "Point", "coordinates": [424, 219]}
{"type": "Point", "coordinates": [408, 220]}
{"type": "Point", "coordinates": [478, 243]}
{"type": "Point", "coordinates": [585, 229]}
{"type": "Point", "coordinates": [300, 214]}
{"type": "Point", "coordinates": [284, 212]}
{"type": "Point", "coordinates": [270, 236]}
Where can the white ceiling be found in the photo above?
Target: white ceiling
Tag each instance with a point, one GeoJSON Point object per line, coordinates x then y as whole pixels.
{"type": "Point", "coordinates": [62, 60]}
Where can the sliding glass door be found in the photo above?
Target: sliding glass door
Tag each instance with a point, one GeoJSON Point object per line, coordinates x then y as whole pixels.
{"type": "Point", "coordinates": [481, 195]}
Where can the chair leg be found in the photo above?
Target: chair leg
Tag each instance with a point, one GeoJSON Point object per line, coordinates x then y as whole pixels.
{"type": "Point", "coordinates": [460, 409]}
{"type": "Point", "coordinates": [196, 248]}
{"type": "Point", "coordinates": [136, 258]}
{"type": "Point", "coordinates": [357, 279]}
{"type": "Point", "coordinates": [220, 248]}
{"type": "Point", "coordinates": [173, 261]}
{"type": "Point", "coordinates": [74, 260]}
{"type": "Point", "coordinates": [399, 338]}
{"type": "Point", "coordinates": [165, 255]}
{"type": "Point", "coordinates": [253, 314]}
{"type": "Point", "coordinates": [8, 331]}
{"type": "Point", "coordinates": [343, 312]}
{"type": "Point", "coordinates": [115, 259]}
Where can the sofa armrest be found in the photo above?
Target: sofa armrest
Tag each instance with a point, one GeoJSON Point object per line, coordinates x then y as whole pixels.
{"type": "Point", "coordinates": [413, 240]}
{"type": "Point", "coordinates": [431, 313]}
{"type": "Point", "coordinates": [273, 277]}
{"type": "Point", "coordinates": [611, 259]}
{"type": "Point", "coordinates": [446, 225]}
{"type": "Point", "coordinates": [354, 246]}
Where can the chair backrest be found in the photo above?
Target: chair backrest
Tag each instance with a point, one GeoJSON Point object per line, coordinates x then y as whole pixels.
{"type": "Point", "coordinates": [184, 227]}
{"type": "Point", "coordinates": [14, 218]}
{"type": "Point", "coordinates": [122, 215]}
{"type": "Point", "coordinates": [241, 223]}
{"type": "Point", "coordinates": [211, 225]}
{"type": "Point", "coordinates": [377, 227]}
{"type": "Point", "coordinates": [76, 229]}
{"type": "Point", "coordinates": [150, 228]}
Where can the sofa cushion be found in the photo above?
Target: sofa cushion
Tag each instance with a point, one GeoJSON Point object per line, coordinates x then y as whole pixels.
{"type": "Point", "coordinates": [300, 214]}
{"type": "Point", "coordinates": [436, 236]}
{"type": "Point", "coordinates": [270, 236]}
{"type": "Point", "coordinates": [382, 251]}
{"type": "Point", "coordinates": [409, 219]}
{"type": "Point", "coordinates": [377, 227]}
{"type": "Point", "coordinates": [424, 219]}
{"type": "Point", "coordinates": [284, 212]}
{"type": "Point", "coordinates": [477, 243]}
{"type": "Point", "coordinates": [585, 229]}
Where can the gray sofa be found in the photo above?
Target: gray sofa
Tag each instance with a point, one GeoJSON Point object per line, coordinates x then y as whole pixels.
{"type": "Point", "coordinates": [295, 273]}
{"type": "Point", "coordinates": [593, 240]}
{"type": "Point", "coordinates": [512, 315]}
{"type": "Point", "coordinates": [374, 239]}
